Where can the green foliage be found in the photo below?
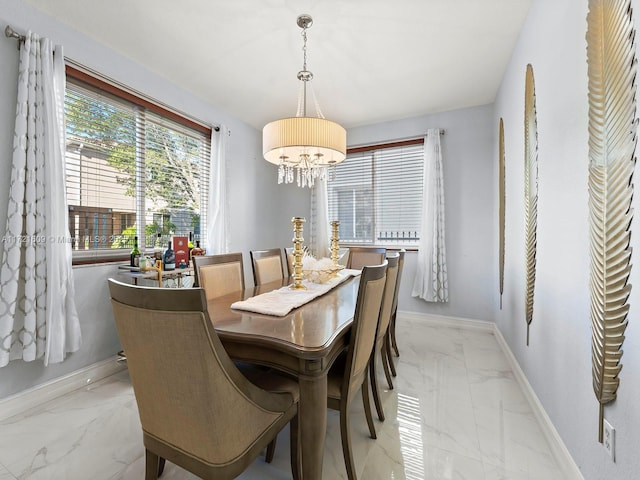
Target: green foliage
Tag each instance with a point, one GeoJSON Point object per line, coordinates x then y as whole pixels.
{"type": "Point", "coordinates": [171, 157]}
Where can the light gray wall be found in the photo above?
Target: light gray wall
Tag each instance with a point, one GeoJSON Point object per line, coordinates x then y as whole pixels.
{"type": "Point", "coordinates": [467, 151]}
{"type": "Point", "coordinates": [558, 359]}
{"type": "Point", "coordinates": [250, 213]}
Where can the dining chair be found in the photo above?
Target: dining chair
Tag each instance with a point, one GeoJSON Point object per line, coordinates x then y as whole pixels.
{"type": "Point", "coordinates": [380, 349]}
{"type": "Point", "coordinates": [219, 274]}
{"type": "Point", "coordinates": [288, 253]}
{"type": "Point", "coordinates": [362, 256]}
{"type": "Point", "coordinates": [266, 265]}
{"type": "Point", "coordinates": [394, 310]}
{"type": "Point", "coordinates": [195, 408]}
{"type": "Point", "coordinates": [349, 373]}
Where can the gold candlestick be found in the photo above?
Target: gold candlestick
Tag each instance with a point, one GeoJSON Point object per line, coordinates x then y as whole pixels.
{"type": "Point", "coordinates": [297, 253]}
{"type": "Point", "coordinates": [335, 241]}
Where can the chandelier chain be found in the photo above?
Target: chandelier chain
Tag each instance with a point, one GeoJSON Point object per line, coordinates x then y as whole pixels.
{"type": "Point", "coordinates": [304, 48]}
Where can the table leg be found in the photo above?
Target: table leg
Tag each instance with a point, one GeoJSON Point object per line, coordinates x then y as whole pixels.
{"type": "Point", "coordinates": [313, 424]}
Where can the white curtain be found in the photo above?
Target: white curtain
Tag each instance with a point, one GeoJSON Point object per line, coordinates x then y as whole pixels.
{"type": "Point", "coordinates": [38, 317]}
{"type": "Point", "coordinates": [218, 205]}
{"type": "Point", "coordinates": [320, 235]}
{"type": "Point", "coordinates": [431, 282]}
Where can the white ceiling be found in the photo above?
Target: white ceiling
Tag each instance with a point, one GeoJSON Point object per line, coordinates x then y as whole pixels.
{"type": "Point", "coordinates": [372, 60]}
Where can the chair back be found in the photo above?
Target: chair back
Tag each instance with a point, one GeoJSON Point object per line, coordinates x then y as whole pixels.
{"type": "Point", "coordinates": [219, 275]}
{"type": "Point", "coordinates": [196, 409]}
{"type": "Point", "coordinates": [266, 265]}
{"type": "Point", "coordinates": [363, 329]}
{"type": "Point", "coordinates": [387, 298]}
{"type": "Point", "coordinates": [288, 253]}
{"type": "Point", "coordinates": [394, 307]}
{"type": "Point", "coordinates": [363, 256]}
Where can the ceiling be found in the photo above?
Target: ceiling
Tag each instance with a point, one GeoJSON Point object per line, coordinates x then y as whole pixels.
{"type": "Point", "coordinates": [372, 60]}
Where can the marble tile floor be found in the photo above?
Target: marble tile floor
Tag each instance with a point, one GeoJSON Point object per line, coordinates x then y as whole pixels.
{"type": "Point", "coordinates": [456, 413]}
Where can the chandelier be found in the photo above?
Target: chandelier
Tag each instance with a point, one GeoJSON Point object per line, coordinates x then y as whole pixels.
{"type": "Point", "coordinates": [304, 147]}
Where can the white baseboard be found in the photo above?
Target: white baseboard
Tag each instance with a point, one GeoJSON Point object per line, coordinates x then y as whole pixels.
{"type": "Point", "coordinates": [559, 449]}
{"type": "Point", "coordinates": [451, 322]}
{"type": "Point", "coordinates": [27, 399]}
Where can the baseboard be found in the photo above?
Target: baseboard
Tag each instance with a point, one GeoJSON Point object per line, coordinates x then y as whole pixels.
{"type": "Point", "coordinates": [560, 451]}
{"type": "Point", "coordinates": [27, 399]}
{"type": "Point", "coordinates": [451, 322]}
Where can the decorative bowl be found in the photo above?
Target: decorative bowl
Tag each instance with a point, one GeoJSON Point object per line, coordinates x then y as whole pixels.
{"type": "Point", "coordinates": [322, 275]}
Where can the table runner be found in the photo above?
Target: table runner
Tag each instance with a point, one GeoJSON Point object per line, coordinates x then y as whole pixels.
{"type": "Point", "coordinates": [280, 302]}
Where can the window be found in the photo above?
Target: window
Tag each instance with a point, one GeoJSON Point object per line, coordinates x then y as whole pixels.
{"type": "Point", "coordinates": [376, 194]}
{"type": "Point", "coordinates": [131, 170]}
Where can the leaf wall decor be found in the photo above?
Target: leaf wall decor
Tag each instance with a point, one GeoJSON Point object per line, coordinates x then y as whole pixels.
{"type": "Point", "coordinates": [530, 189]}
{"type": "Point", "coordinates": [501, 194]}
{"type": "Point", "coordinates": [612, 141]}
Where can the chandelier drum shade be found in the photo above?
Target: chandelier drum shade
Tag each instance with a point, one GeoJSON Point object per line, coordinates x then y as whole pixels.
{"type": "Point", "coordinates": [304, 147]}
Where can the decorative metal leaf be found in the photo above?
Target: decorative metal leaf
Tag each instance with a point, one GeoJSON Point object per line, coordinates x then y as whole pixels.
{"type": "Point", "coordinates": [612, 142]}
{"type": "Point", "coordinates": [530, 189]}
{"type": "Point", "coordinates": [501, 193]}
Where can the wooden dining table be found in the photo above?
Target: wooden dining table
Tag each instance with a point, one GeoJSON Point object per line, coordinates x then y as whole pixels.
{"type": "Point", "coordinates": [303, 343]}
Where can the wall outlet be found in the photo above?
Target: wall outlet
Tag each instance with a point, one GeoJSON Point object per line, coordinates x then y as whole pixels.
{"type": "Point", "coordinates": [609, 440]}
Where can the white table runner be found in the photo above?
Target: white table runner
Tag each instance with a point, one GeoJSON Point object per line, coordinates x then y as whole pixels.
{"type": "Point", "coordinates": [282, 301]}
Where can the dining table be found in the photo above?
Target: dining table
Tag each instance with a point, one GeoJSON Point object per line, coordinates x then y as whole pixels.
{"type": "Point", "coordinates": [303, 343]}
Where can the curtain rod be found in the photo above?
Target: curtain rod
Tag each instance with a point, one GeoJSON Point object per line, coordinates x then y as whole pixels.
{"type": "Point", "coordinates": [11, 33]}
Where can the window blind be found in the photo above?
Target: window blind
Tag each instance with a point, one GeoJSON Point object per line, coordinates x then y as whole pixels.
{"type": "Point", "coordinates": [376, 194]}
{"type": "Point", "coordinates": [130, 172]}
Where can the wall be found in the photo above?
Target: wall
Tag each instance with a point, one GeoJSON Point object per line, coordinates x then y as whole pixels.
{"type": "Point", "coordinates": [558, 360]}
{"type": "Point", "coordinates": [246, 171]}
{"type": "Point", "coordinates": [469, 187]}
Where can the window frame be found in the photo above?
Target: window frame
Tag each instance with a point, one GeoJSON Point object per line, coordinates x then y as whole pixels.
{"type": "Point", "coordinates": [95, 80]}
{"type": "Point", "coordinates": [372, 148]}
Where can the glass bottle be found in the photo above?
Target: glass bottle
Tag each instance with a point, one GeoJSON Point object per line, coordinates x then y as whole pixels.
{"type": "Point", "coordinates": [197, 250]}
{"type": "Point", "coordinates": [169, 258]}
{"type": "Point", "coordinates": [190, 247]}
{"type": "Point", "coordinates": [157, 248]}
{"type": "Point", "coordinates": [135, 254]}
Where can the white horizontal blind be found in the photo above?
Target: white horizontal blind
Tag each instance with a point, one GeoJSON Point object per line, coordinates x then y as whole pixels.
{"type": "Point", "coordinates": [130, 172]}
{"type": "Point", "coordinates": [377, 196]}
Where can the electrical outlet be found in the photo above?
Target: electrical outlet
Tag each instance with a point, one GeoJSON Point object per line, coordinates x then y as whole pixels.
{"type": "Point", "coordinates": [609, 440]}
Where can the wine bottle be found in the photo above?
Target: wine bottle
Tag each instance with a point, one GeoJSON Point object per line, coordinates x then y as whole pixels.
{"type": "Point", "coordinates": [135, 254]}
{"type": "Point", "coordinates": [190, 247]}
{"type": "Point", "coordinates": [197, 250]}
{"type": "Point", "coordinates": [157, 248]}
{"type": "Point", "coordinates": [169, 258]}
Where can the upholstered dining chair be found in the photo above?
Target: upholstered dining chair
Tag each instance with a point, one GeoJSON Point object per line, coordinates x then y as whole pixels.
{"type": "Point", "coordinates": [349, 373]}
{"type": "Point", "coordinates": [196, 409]}
{"type": "Point", "coordinates": [381, 347]}
{"type": "Point", "coordinates": [288, 253]}
{"type": "Point", "coordinates": [219, 274]}
{"type": "Point", "coordinates": [266, 265]}
{"type": "Point", "coordinates": [394, 310]}
{"type": "Point", "coordinates": [362, 256]}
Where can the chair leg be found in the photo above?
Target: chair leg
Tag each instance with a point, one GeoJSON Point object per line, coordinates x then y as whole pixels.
{"type": "Point", "coordinates": [345, 434]}
{"type": "Point", "coordinates": [388, 346]}
{"type": "Point", "coordinates": [374, 387]}
{"type": "Point", "coordinates": [161, 466]}
{"type": "Point", "coordinates": [271, 450]}
{"type": "Point", "coordinates": [152, 462]}
{"type": "Point", "coordinates": [367, 408]}
{"type": "Point", "coordinates": [392, 329]}
{"type": "Point", "coordinates": [385, 362]}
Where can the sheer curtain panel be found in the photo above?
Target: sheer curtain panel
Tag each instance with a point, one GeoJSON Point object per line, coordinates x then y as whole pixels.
{"type": "Point", "coordinates": [431, 282]}
{"type": "Point", "coordinates": [320, 235]}
{"type": "Point", "coordinates": [38, 317]}
{"type": "Point", "coordinates": [218, 205]}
